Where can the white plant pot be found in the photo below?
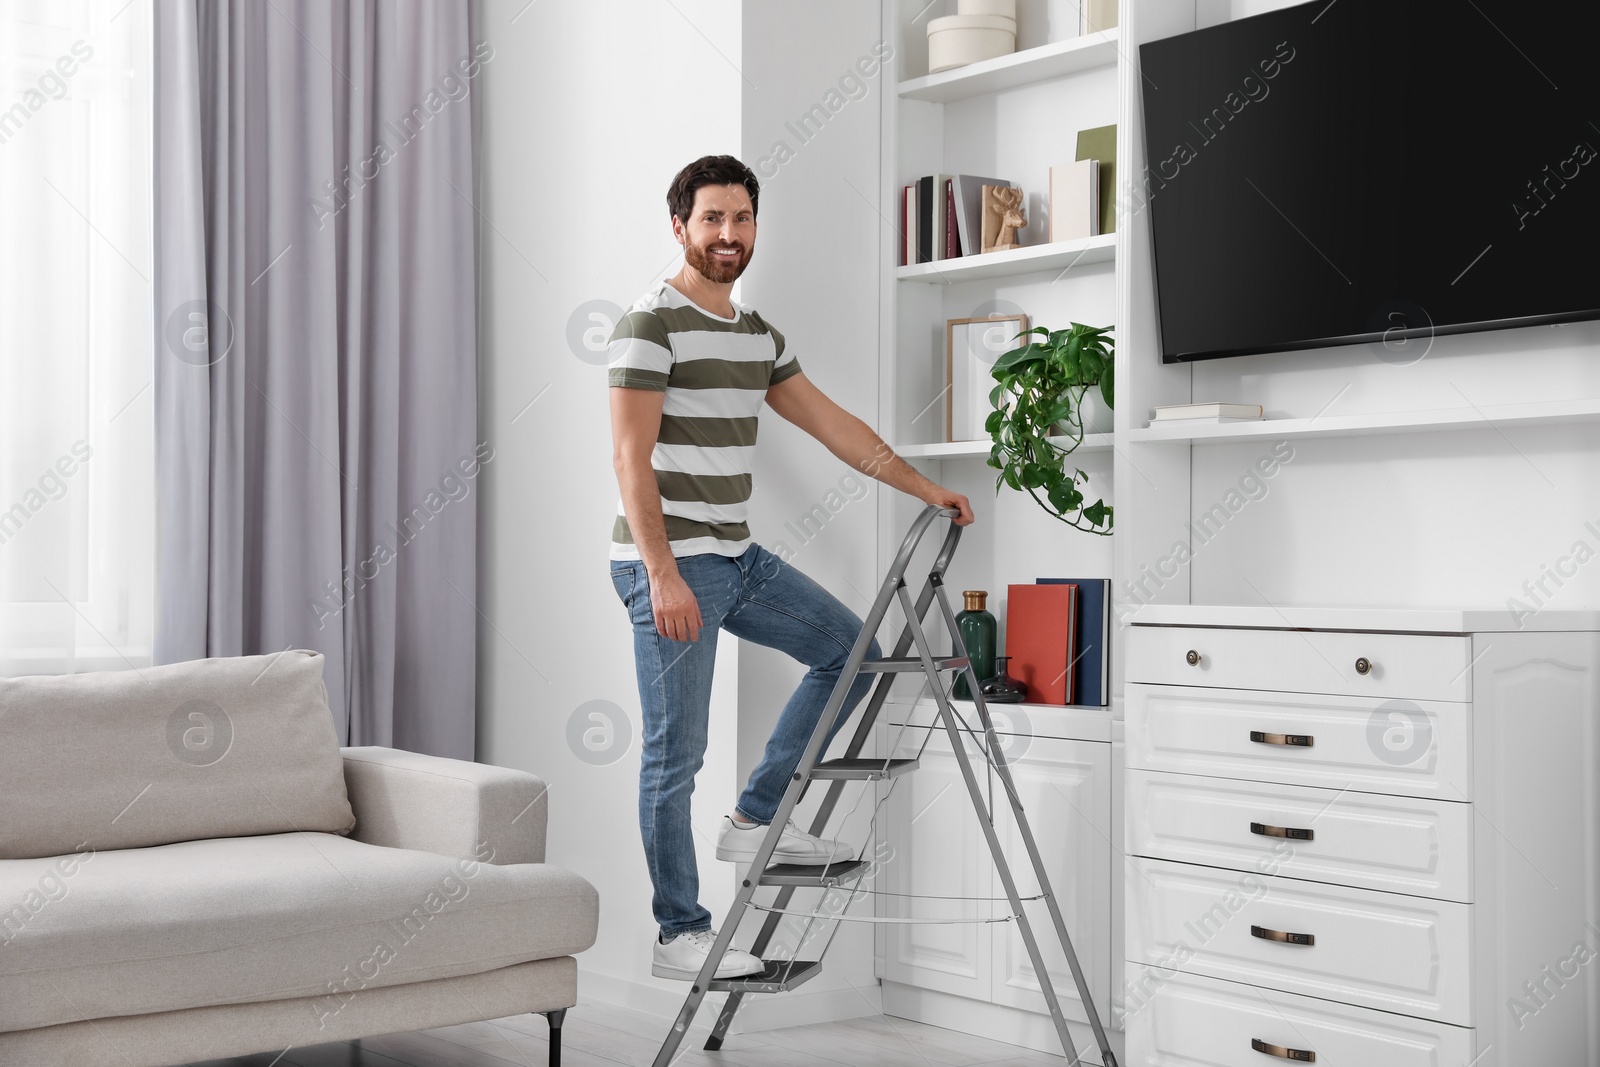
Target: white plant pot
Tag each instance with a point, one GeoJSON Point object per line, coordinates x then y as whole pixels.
{"type": "Point", "coordinates": [1096, 416]}
{"type": "Point", "coordinates": [956, 40]}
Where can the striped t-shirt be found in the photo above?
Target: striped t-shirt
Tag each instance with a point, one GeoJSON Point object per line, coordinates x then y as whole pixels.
{"type": "Point", "coordinates": [715, 373]}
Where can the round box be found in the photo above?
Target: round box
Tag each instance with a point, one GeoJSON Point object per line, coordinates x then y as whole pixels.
{"type": "Point", "coordinates": [1003, 8]}
{"type": "Point", "coordinates": [956, 40]}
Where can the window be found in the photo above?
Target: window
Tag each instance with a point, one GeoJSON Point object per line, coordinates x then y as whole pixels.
{"type": "Point", "coordinates": [77, 448]}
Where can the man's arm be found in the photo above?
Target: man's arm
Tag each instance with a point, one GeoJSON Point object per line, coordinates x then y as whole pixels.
{"type": "Point", "coordinates": [853, 441]}
{"type": "Point", "coordinates": [635, 424]}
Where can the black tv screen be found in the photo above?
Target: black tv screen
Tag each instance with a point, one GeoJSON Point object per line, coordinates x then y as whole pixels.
{"type": "Point", "coordinates": [1364, 170]}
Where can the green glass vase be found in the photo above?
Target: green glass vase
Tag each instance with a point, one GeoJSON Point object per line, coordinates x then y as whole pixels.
{"type": "Point", "coordinates": [978, 633]}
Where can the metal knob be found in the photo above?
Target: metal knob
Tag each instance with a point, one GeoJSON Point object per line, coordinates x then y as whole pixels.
{"type": "Point", "coordinates": [1363, 665]}
{"type": "Point", "coordinates": [1191, 657]}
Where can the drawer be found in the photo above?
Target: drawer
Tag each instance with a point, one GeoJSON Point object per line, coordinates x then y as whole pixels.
{"type": "Point", "coordinates": [1416, 748]}
{"type": "Point", "coordinates": [1387, 843]}
{"type": "Point", "coordinates": [1386, 951]}
{"type": "Point", "coordinates": [1182, 1020]}
{"type": "Point", "coordinates": [1412, 666]}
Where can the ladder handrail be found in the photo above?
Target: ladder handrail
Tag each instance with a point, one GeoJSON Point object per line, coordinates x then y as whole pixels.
{"type": "Point", "coordinates": [913, 537]}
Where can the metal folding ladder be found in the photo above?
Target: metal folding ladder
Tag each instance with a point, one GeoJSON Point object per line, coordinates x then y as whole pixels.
{"type": "Point", "coordinates": [781, 975]}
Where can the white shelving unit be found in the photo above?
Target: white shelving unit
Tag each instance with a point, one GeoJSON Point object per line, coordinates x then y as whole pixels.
{"type": "Point", "coordinates": [1012, 117]}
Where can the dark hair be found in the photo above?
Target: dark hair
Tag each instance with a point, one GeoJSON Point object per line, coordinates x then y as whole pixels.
{"type": "Point", "coordinates": [710, 170]}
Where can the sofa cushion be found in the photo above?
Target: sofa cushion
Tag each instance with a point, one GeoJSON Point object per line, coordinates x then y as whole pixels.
{"type": "Point", "coordinates": [244, 919]}
{"type": "Point", "coordinates": [181, 752]}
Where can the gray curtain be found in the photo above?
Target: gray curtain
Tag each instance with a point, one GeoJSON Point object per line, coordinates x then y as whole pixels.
{"type": "Point", "coordinates": [316, 373]}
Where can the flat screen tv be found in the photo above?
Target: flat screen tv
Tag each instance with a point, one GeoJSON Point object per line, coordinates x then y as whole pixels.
{"type": "Point", "coordinates": [1369, 170]}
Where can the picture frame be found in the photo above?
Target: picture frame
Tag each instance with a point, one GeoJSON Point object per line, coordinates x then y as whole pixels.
{"type": "Point", "coordinates": [971, 346]}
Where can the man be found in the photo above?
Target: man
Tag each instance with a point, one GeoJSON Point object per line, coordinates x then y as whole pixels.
{"type": "Point", "coordinates": [688, 372]}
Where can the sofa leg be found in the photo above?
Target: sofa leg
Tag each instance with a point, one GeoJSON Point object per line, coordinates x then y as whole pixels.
{"type": "Point", "coordinates": [555, 1018]}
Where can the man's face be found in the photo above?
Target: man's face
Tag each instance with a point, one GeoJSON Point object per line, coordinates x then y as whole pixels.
{"type": "Point", "coordinates": [720, 236]}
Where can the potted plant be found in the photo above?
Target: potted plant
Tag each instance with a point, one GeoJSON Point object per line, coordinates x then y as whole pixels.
{"type": "Point", "coordinates": [1038, 418]}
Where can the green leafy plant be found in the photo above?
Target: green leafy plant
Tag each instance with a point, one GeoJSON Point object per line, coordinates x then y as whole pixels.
{"type": "Point", "coordinates": [1040, 388]}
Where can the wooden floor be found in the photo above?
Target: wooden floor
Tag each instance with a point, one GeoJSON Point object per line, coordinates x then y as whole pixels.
{"type": "Point", "coordinates": [602, 1036]}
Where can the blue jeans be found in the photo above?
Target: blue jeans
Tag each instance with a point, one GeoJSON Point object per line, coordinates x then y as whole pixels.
{"type": "Point", "coordinates": [758, 597]}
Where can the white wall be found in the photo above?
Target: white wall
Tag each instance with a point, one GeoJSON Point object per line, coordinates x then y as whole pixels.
{"type": "Point", "coordinates": [588, 112]}
{"type": "Point", "coordinates": [815, 278]}
{"type": "Point", "coordinates": [577, 155]}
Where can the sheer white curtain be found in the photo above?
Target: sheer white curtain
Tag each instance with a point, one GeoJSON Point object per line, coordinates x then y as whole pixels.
{"type": "Point", "coordinates": [77, 515]}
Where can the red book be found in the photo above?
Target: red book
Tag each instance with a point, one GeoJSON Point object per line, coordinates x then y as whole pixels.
{"type": "Point", "coordinates": [952, 237]}
{"type": "Point", "coordinates": [1040, 635]}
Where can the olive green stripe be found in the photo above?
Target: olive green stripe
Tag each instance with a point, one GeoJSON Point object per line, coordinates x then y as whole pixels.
{"type": "Point", "coordinates": [721, 374]}
{"type": "Point", "coordinates": [704, 488]}
{"type": "Point", "coordinates": [636, 378]}
{"type": "Point", "coordinates": [693, 319]}
{"type": "Point", "coordinates": [681, 529]}
{"type": "Point", "coordinates": [707, 431]}
{"type": "Point", "coordinates": [643, 325]}
{"type": "Point", "coordinates": [788, 370]}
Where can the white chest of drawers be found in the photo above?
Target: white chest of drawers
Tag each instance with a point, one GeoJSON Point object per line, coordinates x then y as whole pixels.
{"type": "Point", "coordinates": [1362, 837]}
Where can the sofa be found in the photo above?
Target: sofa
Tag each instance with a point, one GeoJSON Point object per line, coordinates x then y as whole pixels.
{"type": "Point", "coordinates": [192, 868]}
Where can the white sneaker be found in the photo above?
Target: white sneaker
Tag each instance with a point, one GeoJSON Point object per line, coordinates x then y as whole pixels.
{"type": "Point", "coordinates": [684, 955]}
{"type": "Point", "coordinates": [739, 844]}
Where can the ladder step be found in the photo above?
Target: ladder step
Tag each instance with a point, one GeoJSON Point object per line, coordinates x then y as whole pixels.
{"type": "Point", "coordinates": [813, 875]}
{"type": "Point", "coordinates": [863, 768]}
{"type": "Point", "coordinates": [780, 976]}
{"type": "Point", "coordinates": [911, 663]}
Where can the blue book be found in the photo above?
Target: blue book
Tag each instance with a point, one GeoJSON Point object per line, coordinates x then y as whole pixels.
{"type": "Point", "coordinates": [1093, 654]}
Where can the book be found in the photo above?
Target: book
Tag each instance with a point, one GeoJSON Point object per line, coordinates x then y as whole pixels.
{"type": "Point", "coordinates": [1168, 412]}
{"type": "Point", "coordinates": [1040, 638]}
{"type": "Point", "coordinates": [931, 217]}
{"type": "Point", "coordinates": [924, 223]}
{"type": "Point", "coordinates": [969, 210]}
{"type": "Point", "coordinates": [1075, 200]}
{"type": "Point", "coordinates": [908, 245]}
{"type": "Point", "coordinates": [1100, 144]}
{"type": "Point", "coordinates": [911, 224]}
{"type": "Point", "coordinates": [952, 240]}
{"type": "Point", "coordinates": [1093, 659]}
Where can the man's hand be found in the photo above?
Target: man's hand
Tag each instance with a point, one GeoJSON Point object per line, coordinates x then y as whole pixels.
{"type": "Point", "coordinates": [677, 611]}
{"type": "Point", "coordinates": [946, 499]}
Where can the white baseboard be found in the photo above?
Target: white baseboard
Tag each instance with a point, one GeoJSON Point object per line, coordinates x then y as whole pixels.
{"type": "Point", "coordinates": [760, 1011]}
{"type": "Point", "coordinates": [995, 1021]}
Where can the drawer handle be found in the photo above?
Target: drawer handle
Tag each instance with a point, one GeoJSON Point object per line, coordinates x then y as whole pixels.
{"type": "Point", "coordinates": [1363, 665]}
{"type": "Point", "coordinates": [1191, 657]}
{"type": "Point", "coordinates": [1282, 936]}
{"type": "Point", "coordinates": [1293, 833]}
{"type": "Point", "coordinates": [1293, 740]}
{"type": "Point", "coordinates": [1282, 1053]}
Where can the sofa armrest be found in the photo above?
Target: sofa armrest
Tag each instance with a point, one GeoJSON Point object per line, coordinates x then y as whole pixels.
{"type": "Point", "coordinates": [447, 806]}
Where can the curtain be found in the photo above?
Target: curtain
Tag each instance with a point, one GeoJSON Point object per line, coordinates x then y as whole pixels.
{"type": "Point", "coordinates": [315, 279]}
{"type": "Point", "coordinates": [77, 526]}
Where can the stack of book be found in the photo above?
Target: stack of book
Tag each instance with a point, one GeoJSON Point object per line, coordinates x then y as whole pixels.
{"type": "Point", "coordinates": [1191, 413]}
{"type": "Point", "coordinates": [1058, 638]}
{"type": "Point", "coordinates": [941, 217]}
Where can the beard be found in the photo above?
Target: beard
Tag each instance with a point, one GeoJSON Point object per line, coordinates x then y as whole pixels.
{"type": "Point", "coordinates": [715, 268]}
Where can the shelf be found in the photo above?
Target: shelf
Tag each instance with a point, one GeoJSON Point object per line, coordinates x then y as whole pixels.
{"type": "Point", "coordinates": [1446, 620]}
{"type": "Point", "coordinates": [1539, 413]}
{"type": "Point", "coordinates": [1057, 255]}
{"type": "Point", "coordinates": [1092, 442]}
{"type": "Point", "coordinates": [1072, 722]}
{"type": "Point", "coordinates": [1031, 65]}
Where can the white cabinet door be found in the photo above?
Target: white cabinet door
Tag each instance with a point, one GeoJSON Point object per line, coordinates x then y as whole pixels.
{"type": "Point", "coordinates": [929, 842]}
{"type": "Point", "coordinates": [1065, 789]}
